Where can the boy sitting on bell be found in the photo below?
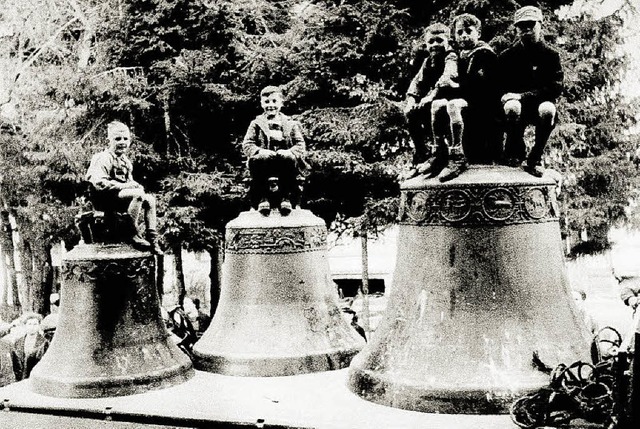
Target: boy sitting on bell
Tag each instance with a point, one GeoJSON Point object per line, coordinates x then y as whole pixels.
{"type": "Point", "coordinates": [426, 100]}
{"type": "Point", "coordinates": [275, 149]}
{"type": "Point", "coordinates": [475, 110]}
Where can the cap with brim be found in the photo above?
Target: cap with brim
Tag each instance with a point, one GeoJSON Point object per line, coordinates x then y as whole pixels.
{"type": "Point", "coordinates": [527, 13]}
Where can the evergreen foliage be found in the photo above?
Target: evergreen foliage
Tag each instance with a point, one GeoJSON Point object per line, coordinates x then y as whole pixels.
{"type": "Point", "coordinates": [185, 74]}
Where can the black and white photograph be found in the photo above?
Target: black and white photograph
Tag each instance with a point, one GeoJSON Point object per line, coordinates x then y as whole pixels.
{"type": "Point", "coordinates": [319, 214]}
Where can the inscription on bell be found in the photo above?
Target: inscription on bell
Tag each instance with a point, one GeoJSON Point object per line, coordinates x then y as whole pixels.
{"type": "Point", "coordinates": [535, 203]}
{"type": "Point", "coordinates": [418, 206]}
{"type": "Point", "coordinates": [275, 240]}
{"type": "Point", "coordinates": [498, 204]}
{"type": "Point", "coordinates": [455, 205]}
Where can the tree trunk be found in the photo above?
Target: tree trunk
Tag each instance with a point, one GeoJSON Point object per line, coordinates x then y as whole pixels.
{"type": "Point", "coordinates": [27, 267]}
{"type": "Point", "coordinates": [22, 287]}
{"type": "Point", "coordinates": [365, 279]}
{"type": "Point", "coordinates": [160, 274]}
{"type": "Point", "coordinates": [172, 148]}
{"type": "Point", "coordinates": [10, 306]}
{"type": "Point", "coordinates": [215, 277]}
{"type": "Point", "coordinates": [180, 287]}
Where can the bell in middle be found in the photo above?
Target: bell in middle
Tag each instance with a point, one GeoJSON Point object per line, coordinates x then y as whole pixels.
{"type": "Point", "coordinates": [278, 312]}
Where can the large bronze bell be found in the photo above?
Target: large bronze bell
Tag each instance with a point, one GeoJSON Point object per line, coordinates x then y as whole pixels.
{"type": "Point", "coordinates": [111, 339]}
{"type": "Point", "coordinates": [278, 313]}
{"type": "Point", "coordinates": [480, 301]}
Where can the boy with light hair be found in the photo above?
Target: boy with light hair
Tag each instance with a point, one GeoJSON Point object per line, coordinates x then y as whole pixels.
{"type": "Point", "coordinates": [111, 174]}
{"type": "Point", "coordinates": [426, 101]}
{"type": "Point", "coordinates": [275, 151]}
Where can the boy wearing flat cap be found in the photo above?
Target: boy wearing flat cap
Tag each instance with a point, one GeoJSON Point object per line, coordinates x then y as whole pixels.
{"type": "Point", "coordinates": [531, 82]}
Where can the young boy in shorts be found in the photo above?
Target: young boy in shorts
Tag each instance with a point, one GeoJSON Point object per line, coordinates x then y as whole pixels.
{"type": "Point", "coordinates": [474, 113]}
{"type": "Point", "coordinates": [426, 100]}
{"type": "Point", "coordinates": [531, 81]}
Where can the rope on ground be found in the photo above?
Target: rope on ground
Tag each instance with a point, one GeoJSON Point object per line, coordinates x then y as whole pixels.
{"type": "Point", "coordinates": [589, 391]}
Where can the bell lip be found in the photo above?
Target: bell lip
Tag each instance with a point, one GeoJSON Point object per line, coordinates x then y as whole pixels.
{"type": "Point", "coordinates": [281, 366]}
{"type": "Point", "coordinates": [481, 174]}
{"type": "Point", "coordinates": [99, 387]}
{"type": "Point", "coordinates": [408, 395]}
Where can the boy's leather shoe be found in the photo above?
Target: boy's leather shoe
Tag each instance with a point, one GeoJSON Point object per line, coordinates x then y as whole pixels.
{"type": "Point", "coordinates": [285, 207]}
{"type": "Point", "coordinates": [140, 243]}
{"type": "Point", "coordinates": [534, 170]}
{"type": "Point", "coordinates": [264, 208]}
{"type": "Point", "coordinates": [452, 170]}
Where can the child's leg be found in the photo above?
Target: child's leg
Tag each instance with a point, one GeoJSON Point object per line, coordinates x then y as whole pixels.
{"type": "Point", "coordinates": [514, 148]}
{"type": "Point", "coordinates": [546, 122]}
{"type": "Point", "coordinates": [420, 133]}
{"type": "Point", "coordinates": [439, 126]}
{"type": "Point", "coordinates": [457, 162]}
{"type": "Point", "coordinates": [455, 109]}
{"type": "Point", "coordinates": [135, 197]}
{"type": "Point", "coordinates": [287, 173]}
{"type": "Point", "coordinates": [260, 169]}
{"type": "Point", "coordinates": [439, 120]}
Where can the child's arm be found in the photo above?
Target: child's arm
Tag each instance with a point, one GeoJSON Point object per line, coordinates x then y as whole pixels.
{"type": "Point", "coordinates": [250, 146]}
{"type": "Point", "coordinates": [298, 148]}
{"type": "Point", "coordinates": [450, 73]}
{"type": "Point", "coordinates": [414, 93]}
{"type": "Point", "coordinates": [630, 287]}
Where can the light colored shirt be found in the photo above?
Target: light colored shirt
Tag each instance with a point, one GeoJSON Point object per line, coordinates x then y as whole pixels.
{"type": "Point", "coordinates": [107, 170]}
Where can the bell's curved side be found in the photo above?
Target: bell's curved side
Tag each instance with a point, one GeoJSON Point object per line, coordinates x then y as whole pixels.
{"type": "Point", "coordinates": [278, 312]}
{"type": "Point", "coordinates": [480, 297]}
{"type": "Point", "coordinates": [110, 339]}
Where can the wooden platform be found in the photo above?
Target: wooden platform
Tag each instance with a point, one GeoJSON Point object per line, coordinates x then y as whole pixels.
{"type": "Point", "coordinates": [319, 400]}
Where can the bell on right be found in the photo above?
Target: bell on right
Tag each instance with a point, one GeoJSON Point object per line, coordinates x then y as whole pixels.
{"type": "Point", "coordinates": [480, 301]}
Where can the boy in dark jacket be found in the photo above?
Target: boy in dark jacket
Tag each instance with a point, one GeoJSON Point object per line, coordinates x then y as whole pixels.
{"type": "Point", "coordinates": [474, 113]}
{"type": "Point", "coordinates": [275, 149]}
{"type": "Point", "coordinates": [426, 100]}
{"type": "Point", "coordinates": [531, 81]}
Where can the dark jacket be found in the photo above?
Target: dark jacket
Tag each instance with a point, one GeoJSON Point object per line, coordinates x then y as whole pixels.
{"type": "Point", "coordinates": [257, 137]}
{"type": "Point", "coordinates": [427, 76]}
{"type": "Point", "coordinates": [477, 73]}
{"type": "Point", "coordinates": [534, 71]}
{"type": "Point", "coordinates": [24, 363]}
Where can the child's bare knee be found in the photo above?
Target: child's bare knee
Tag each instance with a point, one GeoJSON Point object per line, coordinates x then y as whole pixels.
{"type": "Point", "coordinates": [438, 105]}
{"type": "Point", "coordinates": [512, 109]}
{"type": "Point", "coordinates": [547, 111]}
{"type": "Point", "coordinates": [454, 109]}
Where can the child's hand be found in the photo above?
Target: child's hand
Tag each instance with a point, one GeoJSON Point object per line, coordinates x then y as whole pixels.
{"type": "Point", "coordinates": [633, 302]}
{"type": "Point", "coordinates": [409, 105]}
{"type": "Point", "coordinates": [446, 82]}
{"type": "Point", "coordinates": [285, 153]}
{"type": "Point", "coordinates": [510, 96]}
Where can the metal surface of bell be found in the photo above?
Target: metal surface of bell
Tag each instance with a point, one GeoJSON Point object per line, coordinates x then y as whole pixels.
{"type": "Point", "coordinates": [111, 339]}
{"type": "Point", "coordinates": [278, 312]}
{"type": "Point", "coordinates": [479, 296]}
